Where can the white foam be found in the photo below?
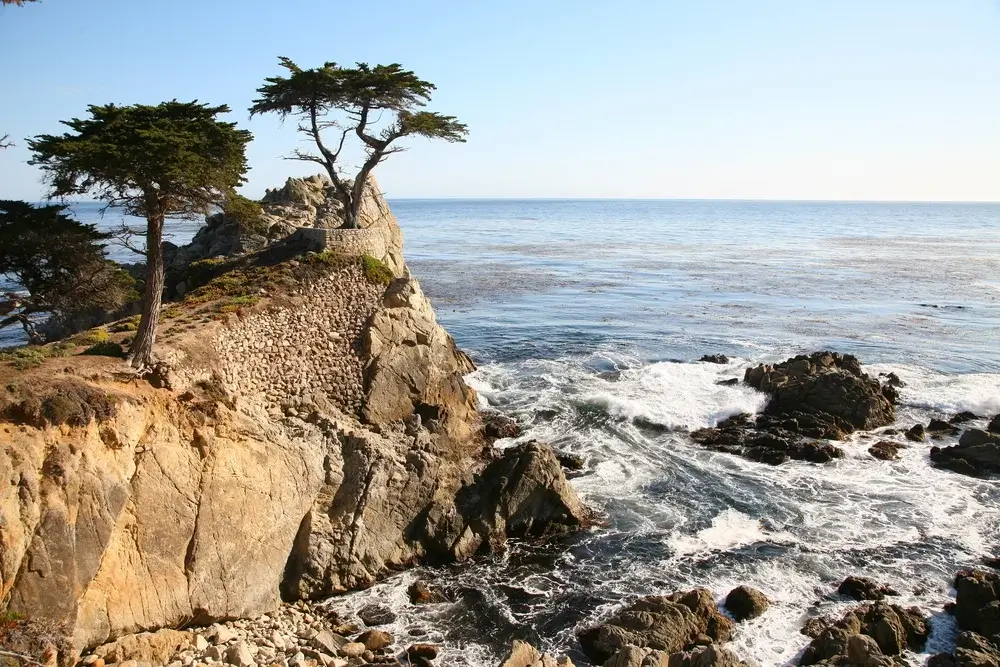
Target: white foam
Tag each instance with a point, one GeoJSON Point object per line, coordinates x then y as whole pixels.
{"type": "Point", "coordinates": [676, 396]}
{"type": "Point", "coordinates": [729, 529]}
{"type": "Point", "coordinates": [948, 394]}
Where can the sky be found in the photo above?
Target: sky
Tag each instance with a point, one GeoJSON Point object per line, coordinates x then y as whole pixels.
{"type": "Point", "coordinates": [732, 99]}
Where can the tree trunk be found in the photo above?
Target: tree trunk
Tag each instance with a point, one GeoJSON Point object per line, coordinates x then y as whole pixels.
{"type": "Point", "coordinates": [141, 353]}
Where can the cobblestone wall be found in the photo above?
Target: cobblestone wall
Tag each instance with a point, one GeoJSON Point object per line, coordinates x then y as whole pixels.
{"type": "Point", "coordinates": [287, 354]}
{"type": "Point", "coordinates": [347, 241]}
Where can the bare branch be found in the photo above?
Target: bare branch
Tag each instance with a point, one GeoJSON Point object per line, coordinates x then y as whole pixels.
{"type": "Point", "coordinates": [20, 656]}
{"type": "Point", "coordinates": [5, 141]}
{"type": "Point", "coordinates": [122, 236]}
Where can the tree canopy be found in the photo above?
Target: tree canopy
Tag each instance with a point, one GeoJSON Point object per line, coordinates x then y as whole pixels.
{"type": "Point", "coordinates": [378, 105]}
{"type": "Point", "coordinates": [175, 159]}
{"type": "Point", "coordinates": [57, 265]}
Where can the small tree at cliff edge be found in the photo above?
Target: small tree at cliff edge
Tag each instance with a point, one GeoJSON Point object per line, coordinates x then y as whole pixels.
{"type": "Point", "coordinates": [379, 105]}
{"type": "Point", "coordinates": [175, 159]}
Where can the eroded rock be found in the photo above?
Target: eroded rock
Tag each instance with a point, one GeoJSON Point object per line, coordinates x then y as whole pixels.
{"type": "Point", "coordinates": [977, 453]}
{"type": "Point", "coordinates": [862, 588]}
{"type": "Point", "coordinates": [745, 603]}
{"type": "Point", "coordinates": [873, 632]}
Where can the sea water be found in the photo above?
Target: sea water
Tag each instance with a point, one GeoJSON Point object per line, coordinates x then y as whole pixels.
{"type": "Point", "coordinates": [586, 318]}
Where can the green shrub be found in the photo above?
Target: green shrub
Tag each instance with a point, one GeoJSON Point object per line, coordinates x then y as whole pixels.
{"type": "Point", "coordinates": [106, 349]}
{"type": "Point", "coordinates": [24, 358]}
{"type": "Point", "coordinates": [375, 271]}
{"type": "Point", "coordinates": [128, 324]}
{"type": "Point", "coordinates": [247, 214]}
{"type": "Point", "coordinates": [198, 273]}
{"type": "Point", "coordinates": [92, 337]}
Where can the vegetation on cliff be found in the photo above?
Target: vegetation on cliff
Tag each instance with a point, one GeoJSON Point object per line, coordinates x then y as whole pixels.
{"type": "Point", "coordinates": [360, 96]}
{"type": "Point", "coordinates": [175, 159]}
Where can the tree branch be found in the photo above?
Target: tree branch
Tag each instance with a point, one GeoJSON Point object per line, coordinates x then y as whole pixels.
{"type": "Point", "coordinates": [4, 141]}
{"type": "Point", "coordinates": [123, 235]}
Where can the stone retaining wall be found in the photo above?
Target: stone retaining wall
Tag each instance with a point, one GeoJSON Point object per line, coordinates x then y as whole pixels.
{"type": "Point", "coordinates": [288, 354]}
{"type": "Point", "coordinates": [347, 241]}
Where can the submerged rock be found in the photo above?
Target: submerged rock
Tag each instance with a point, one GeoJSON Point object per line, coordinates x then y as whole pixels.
{"type": "Point", "coordinates": [421, 592]}
{"type": "Point", "coordinates": [862, 588]}
{"type": "Point", "coordinates": [715, 359]}
{"type": "Point", "coordinates": [994, 426]}
{"type": "Point", "coordinates": [497, 426]}
{"type": "Point", "coordinates": [886, 450]}
{"type": "Point", "coordinates": [977, 453]}
{"type": "Point", "coordinates": [772, 440]}
{"type": "Point", "coordinates": [669, 623]}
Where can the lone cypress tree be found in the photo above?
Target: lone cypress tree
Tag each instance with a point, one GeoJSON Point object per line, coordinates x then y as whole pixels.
{"type": "Point", "coordinates": [379, 105]}
{"type": "Point", "coordinates": [172, 160]}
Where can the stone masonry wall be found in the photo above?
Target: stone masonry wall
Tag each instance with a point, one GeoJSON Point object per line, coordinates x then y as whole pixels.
{"type": "Point", "coordinates": [346, 241]}
{"type": "Point", "coordinates": [309, 347]}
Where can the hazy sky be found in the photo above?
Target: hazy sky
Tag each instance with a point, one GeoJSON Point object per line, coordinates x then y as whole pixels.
{"type": "Point", "coordinates": [777, 99]}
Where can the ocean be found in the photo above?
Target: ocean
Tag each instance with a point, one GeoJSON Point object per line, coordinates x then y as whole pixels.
{"type": "Point", "coordinates": [585, 318]}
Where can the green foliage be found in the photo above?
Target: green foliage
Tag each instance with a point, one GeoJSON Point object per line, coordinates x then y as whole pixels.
{"type": "Point", "coordinates": [175, 159]}
{"type": "Point", "coordinates": [92, 337]}
{"type": "Point", "coordinates": [57, 265]}
{"type": "Point", "coordinates": [247, 214]}
{"type": "Point", "coordinates": [106, 349]}
{"type": "Point", "coordinates": [23, 358]}
{"type": "Point", "coordinates": [379, 105]}
{"type": "Point", "coordinates": [128, 324]}
{"type": "Point", "coordinates": [375, 271]}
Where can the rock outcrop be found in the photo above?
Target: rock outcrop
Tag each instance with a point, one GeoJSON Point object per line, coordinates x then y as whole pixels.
{"type": "Point", "coordinates": [308, 444]}
{"type": "Point", "coordinates": [862, 588]}
{"type": "Point", "coordinates": [745, 603]}
{"type": "Point", "coordinates": [813, 398]}
{"type": "Point", "coordinates": [872, 635]}
{"type": "Point", "coordinates": [670, 624]}
{"type": "Point", "coordinates": [977, 613]}
{"type": "Point", "coordinates": [977, 453]}
{"type": "Point", "coordinates": [523, 654]}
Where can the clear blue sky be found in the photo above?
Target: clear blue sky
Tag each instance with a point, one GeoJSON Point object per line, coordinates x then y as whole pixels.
{"type": "Point", "coordinates": [834, 99]}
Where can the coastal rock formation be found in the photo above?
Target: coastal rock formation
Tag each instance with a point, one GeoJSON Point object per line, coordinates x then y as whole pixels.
{"type": "Point", "coordinates": [871, 635]}
{"type": "Point", "coordinates": [305, 445]}
{"type": "Point", "coordinates": [816, 397]}
{"type": "Point", "coordinates": [745, 603]}
{"type": "Point", "coordinates": [977, 613]}
{"type": "Point", "coordinates": [523, 654]}
{"type": "Point", "coordinates": [977, 453]}
{"type": "Point", "coordinates": [671, 624]}
{"type": "Point", "coordinates": [862, 588]}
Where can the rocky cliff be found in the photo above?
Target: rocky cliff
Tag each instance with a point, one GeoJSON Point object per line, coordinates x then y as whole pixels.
{"type": "Point", "coordinates": [299, 442]}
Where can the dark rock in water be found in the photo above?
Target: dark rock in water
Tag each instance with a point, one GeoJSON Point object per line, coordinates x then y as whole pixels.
{"type": "Point", "coordinates": [977, 453]}
{"type": "Point", "coordinates": [994, 426]}
{"type": "Point", "coordinates": [496, 426]}
{"type": "Point", "coordinates": [868, 635]}
{"type": "Point", "coordinates": [423, 593]}
{"type": "Point", "coordinates": [669, 623]}
{"type": "Point", "coordinates": [993, 562]}
{"type": "Point", "coordinates": [862, 588]}
{"type": "Point", "coordinates": [745, 603]}
{"type": "Point", "coordinates": [822, 396]}
{"type": "Point", "coordinates": [715, 359]}
{"type": "Point", "coordinates": [977, 602]}
{"type": "Point", "coordinates": [916, 433]}
{"type": "Point", "coordinates": [428, 651]}
{"type": "Point", "coordinates": [887, 450]}
{"type": "Point", "coordinates": [814, 627]}
{"type": "Point", "coordinates": [376, 614]}
{"type": "Point", "coordinates": [892, 380]}
{"type": "Point", "coordinates": [964, 416]}
{"type": "Point", "coordinates": [825, 383]}
{"type": "Point", "coordinates": [731, 382]}
{"type": "Point", "coordinates": [939, 428]}
{"type": "Point", "coordinates": [772, 440]}
{"type": "Point", "coordinates": [570, 461]}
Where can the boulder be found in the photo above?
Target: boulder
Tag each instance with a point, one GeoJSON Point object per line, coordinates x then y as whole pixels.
{"type": "Point", "coordinates": [373, 614]}
{"type": "Point", "coordinates": [825, 383]}
{"type": "Point", "coordinates": [916, 433]}
{"type": "Point", "coordinates": [994, 426]}
{"type": "Point", "coordinates": [892, 629]}
{"type": "Point", "coordinates": [962, 417]}
{"type": "Point", "coordinates": [523, 654]}
{"type": "Point", "coordinates": [375, 640]}
{"type": "Point", "coordinates": [862, 588]}
{"type": "Point", "coordinates": [745, 603]}
{"type": "Point", "coordinates": [977, 602]}
{"type": "Point", "coordinates": [428, 651]}
{"type": "Point", "coordinates": [977, 453]}
{"type": "Point", "coordinates": [154, 647]}
{"type": "Point", "coordinates": [421, 592]}
{"type": "Point", "coordinates": [705, 656]}
{"type": "Point", "coordinates": [715, 359]}
{"type": "Point", "coordinates": [939, 428]}
{"type": "Point", "coordinates": [886, 450]}
{"type": "Point", "coordinates": [671, 623]}
{"type": "Point", "coordinates": [497, 425]}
